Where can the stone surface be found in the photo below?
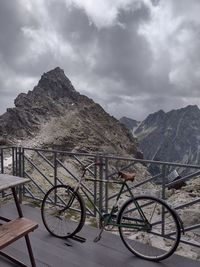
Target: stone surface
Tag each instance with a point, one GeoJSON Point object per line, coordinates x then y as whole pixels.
{"type": "Point", "coordinates": [171, 136]}
{"type": "Point", "coordinates": [55, 115]}
{"type": "Point", "coordinates": [129, 123]}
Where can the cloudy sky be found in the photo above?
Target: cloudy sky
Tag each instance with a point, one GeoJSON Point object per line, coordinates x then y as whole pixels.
{"type": "Point", "coordinates": [133, 57]}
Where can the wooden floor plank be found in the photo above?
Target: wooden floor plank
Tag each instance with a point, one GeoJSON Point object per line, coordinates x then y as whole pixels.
{"type": "Point", "coordinates": [53, 252]}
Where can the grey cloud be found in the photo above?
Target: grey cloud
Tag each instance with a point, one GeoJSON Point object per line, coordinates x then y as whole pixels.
{"type": "Point", "coordinates": [12, 18]}
{"type": "Point", "coordinates": [73, 24]}
{"type": "Point", "coordinates": [123, 54]}
{"type": "Point", "coordinates": [114, 65]}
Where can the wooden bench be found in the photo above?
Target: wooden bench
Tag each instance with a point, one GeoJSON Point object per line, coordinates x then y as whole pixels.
{"type": "Point", "coordinates": [18, 228]}
{"type": "Point", "coordinates": [12, 231]}
{"type": "Point", "coordinates": [15, 229]}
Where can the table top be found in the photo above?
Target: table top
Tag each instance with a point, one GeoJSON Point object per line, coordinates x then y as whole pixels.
{"type": "Point", "coordinates": [8, 181]}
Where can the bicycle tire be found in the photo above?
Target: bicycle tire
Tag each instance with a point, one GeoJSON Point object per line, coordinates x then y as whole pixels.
{"type": "Point", "coordinates": [149, 244]}
{"type": "Point", "coordinates": [59, 220]}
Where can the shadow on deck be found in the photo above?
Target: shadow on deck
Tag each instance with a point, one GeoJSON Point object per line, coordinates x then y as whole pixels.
{"type": "Point", "coordinates": [54, 252]}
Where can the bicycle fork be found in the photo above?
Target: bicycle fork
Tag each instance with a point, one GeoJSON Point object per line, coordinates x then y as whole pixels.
{"type": "Point", "coordinates": [70, 202]}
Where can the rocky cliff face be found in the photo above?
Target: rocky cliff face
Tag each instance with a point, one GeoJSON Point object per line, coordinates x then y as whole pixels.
{"type": "Point", "coordinates": [130, 123]}
{"type": "Point", "coordinates": [55, 115]}
{"type": "Point", "coordinates": [171, 136]}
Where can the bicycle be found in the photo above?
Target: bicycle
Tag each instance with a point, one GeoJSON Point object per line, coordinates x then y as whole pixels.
{"type": "Point", "coordinates": [147, 225]}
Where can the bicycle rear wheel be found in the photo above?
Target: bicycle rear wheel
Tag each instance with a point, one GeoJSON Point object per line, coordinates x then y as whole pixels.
{"type": "Point", "coordinates": [63, 211]}
{"type": "Point", "coordinates": [155, 240]}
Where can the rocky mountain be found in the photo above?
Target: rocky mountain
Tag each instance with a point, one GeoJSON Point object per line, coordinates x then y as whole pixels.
{"type": "Point", "coordinates": [55, 115]}
{"type": "Point", "coordinates": [171, 136]}
{"type": "Point", "coordinates": [130, 123]}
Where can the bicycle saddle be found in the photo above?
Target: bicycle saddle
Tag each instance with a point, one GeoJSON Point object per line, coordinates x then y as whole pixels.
{"type": "Point", "coordinates": [127, 176]}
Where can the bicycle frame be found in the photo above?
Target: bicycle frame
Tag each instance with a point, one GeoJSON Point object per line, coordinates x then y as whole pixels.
{"type": "Point", "coordinates": [107, 218]}
{"type": "Point", "coordinates": [141, 213]}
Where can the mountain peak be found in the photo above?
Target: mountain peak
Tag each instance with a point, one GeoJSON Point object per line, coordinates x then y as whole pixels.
{"type": "Point", "coordinates": [192, 108]}
{"type": "Point", "coordinates": [56, 73]}
{"type": "Point", "coordinates": [171, 136]}
{"type": "Point", "coordinates": [55, 115]}
{"type": "Point", "coordinates": [53, 86]}
{"type": "Point", "coordinates": [56, 84]}
{"type": "Point", "coordinates": [158, 113]}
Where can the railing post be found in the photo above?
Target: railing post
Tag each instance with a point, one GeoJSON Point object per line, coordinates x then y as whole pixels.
{"type": "Point", "coordinates": [2, 168]}
{"type": "Point", "coordinates": [163, 196]}
{"type": "Point", "coordinates": [23, 167]}
{"type": "Point", "coordinates": [16, 161]}
{"type": "Point", "coordinates": [2, 165]}
{"type": "Point", "coordinates": [100, 186]}
{"type": "Point", "coordinates": [22, 163]}
{"type": "Point", "coordinates": [19, 172]}
{"type": "Point", "coordinates": [55, 174]}
{"type": "Point", "coordinates": [163, 180]}
{"type": "Point", "coordinates": [13, 160]}
{"type": "Point", "coordinates": [19, 161]}
{"type": "Point", "coordinates": [106, 185]}
{"type": "Point", "coordinates": [55, 168]}
{"type": "Point", "coordinates": [95, 184]}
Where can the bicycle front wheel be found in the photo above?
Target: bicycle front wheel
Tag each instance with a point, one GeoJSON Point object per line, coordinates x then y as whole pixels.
{"type": "Point", "coordinates": [63, 211]}
{"type": "Point", "coordinates": [149, 228]}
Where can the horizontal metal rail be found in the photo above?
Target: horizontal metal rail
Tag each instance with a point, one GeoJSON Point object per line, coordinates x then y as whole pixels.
{"type": "Point", "coordinates": [23, 164]}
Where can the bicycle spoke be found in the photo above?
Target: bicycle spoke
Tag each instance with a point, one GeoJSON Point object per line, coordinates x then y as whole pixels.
{"type": "Point", "coordinates": [147, 240]}
{"type": "Point", "coordinates": [63, 211]}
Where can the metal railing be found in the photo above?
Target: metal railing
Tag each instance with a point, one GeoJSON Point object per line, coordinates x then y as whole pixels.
{"type": "Point", "coordinates": [46, 168]}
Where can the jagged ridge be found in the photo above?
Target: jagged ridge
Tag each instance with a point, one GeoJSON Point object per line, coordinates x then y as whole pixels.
{"type": "Point", "coordinates": [171, 136]}
{"type": "Point", "coordinates": [55, 115]}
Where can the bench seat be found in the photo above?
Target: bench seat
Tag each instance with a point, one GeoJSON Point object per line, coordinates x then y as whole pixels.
{"type": "Point", "coordinates": [15, 229]}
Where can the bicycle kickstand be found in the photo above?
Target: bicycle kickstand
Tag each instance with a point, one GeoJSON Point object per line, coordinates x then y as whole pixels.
{"type": "Point", "coordinates": [97, 238]}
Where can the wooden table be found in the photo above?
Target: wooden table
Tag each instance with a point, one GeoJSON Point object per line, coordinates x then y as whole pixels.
{"type": "Point", "coordinates": [12, 230]}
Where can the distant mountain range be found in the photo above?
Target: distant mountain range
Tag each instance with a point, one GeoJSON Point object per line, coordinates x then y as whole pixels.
{"type": "Point", "coordinates": [55, 115]}
{"type": "Point", "coordinates": [169, 136]}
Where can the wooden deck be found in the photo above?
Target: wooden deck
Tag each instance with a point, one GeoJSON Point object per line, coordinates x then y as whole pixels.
{"type": "Point", "coordinates": [54, 252]}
